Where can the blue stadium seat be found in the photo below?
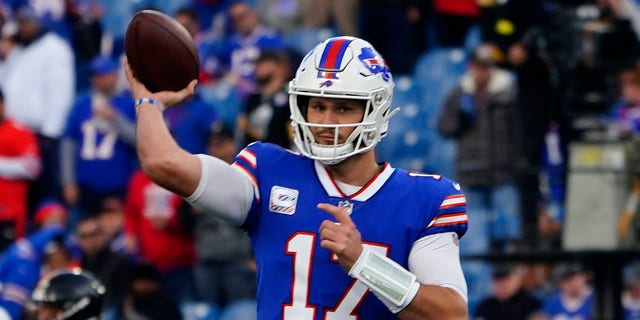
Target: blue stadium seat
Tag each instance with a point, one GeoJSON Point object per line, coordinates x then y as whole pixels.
{"type": "Point", "coordinates": [436, 74]}
{"type": "Point", "coordinates": [304, 39]}
{"type": "Point", "coordinates": [405, 145]}
{"type": "Point", "coordinates": [225, 99]}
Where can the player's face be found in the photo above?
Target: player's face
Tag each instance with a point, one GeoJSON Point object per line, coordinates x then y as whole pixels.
{"type": "Point", "coordinates": [330, 111]}
{"type": "Point", "coordinates": [48, 312]}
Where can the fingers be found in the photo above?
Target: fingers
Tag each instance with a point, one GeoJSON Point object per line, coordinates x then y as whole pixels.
{"type": "Point", "coordinates": [342, 239]}
{"type": "Point", "coordinates": [332, 238]}
{"type": "Point", "coordinates": [340, 214]}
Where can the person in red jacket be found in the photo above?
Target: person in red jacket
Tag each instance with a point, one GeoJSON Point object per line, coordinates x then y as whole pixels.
{"type": "Point", "coordinates": [154, 228]}
{"type": "Point", "coordinates": [19, 163]}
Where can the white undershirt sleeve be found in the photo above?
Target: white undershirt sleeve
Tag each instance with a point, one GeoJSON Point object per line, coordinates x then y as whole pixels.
{"type": "Point", "coordinates": [435, 260]}
{"type": "Point", "coordinates": [222, 191]}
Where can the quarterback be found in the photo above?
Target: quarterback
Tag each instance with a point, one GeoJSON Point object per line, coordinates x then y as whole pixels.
{"type": "Point", "coordinates": [336, 234]}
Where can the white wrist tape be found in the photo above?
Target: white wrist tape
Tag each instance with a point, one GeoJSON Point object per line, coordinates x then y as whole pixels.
{"type": "Point", "coordinates": [156, 103]}
{"type": "Point", "coordinates": [388, 280]}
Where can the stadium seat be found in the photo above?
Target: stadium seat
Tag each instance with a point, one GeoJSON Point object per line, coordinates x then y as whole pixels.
{"type": "Point", "coordinates": [436, 74]}
{"type": "Point", "coordinates": [225, 99]}
{"type": "Point", "coordinates": [405, 145]}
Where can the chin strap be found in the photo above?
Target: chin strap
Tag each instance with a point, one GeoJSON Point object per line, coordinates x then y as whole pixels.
{"type": "Point", "coordinates": [394, 285]}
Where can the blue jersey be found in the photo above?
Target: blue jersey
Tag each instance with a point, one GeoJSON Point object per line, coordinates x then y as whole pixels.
{"type": "Point", "coordinates": [20, 269]}
{"type": "Point", "coordinates": [104, 161]}
{"type": "Point", "coordinates": [190, 124]}
{"type": "Point", "coordinates": [297, 278]}
{"type": "Point", "coordinates": [555, 309]}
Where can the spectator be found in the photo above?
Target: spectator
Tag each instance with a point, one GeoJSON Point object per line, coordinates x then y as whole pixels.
{"type": "Point", "coordinates": [631, 293]}
{"type": "Point", "coordinates": [190, 123]}
{"type": "Point", "coordinates": [574, 296]}
{"type": "Point", "coordinates": [480, 113]}
{"type": "Point", "coordinates": [403, 44]}
{"type": "Point", "coordinates": [535, 104]}
{"type": "Point", "coordinates": [249, 39]}
{"type": "Point", "coordinates": [97, 149]}
{"type": "Point", "coordinates": [9, 49]}
{"type": "Point", "coordinates": [111, 219]}
{"type": "Point", "coordinates": [266, 113]}
{"type": "Point", "coordinates": [145, 299]}
{"type": "Point", "coordinates": [19, 163]}
{"type": "Point", "coordinates": [324, 14]}
{"type": "Point", "coordinates": [58, 256]}
{"type": "Point", "coordinates": [84, 19]}
{"type": "Point", "coordinates": [20, 268]}
{"type": "Point", "coordinates": [285, 16]}
{"type": "Point", "coordinates": [50, 212]}
{"type": "Point", "coordinates": [154, 229]}
{"type": "Point", "coordinates": [39, 92]}
{"type": "Point", "coordinates": [225, 268]}
{"type": "Point", "coordinates": [109, 267]}
{"type": "Point", "coordinates": [626, 118]}
{"type": "Point", "coordinates": [222, 144]}
{"type": "Point", "coordinates": [209, 44]}
{"type": "Point", "coordinates": [508, 299]}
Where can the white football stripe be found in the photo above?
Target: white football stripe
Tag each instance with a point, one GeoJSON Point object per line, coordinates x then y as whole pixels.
{"type": "Point", "coordinates": [448, 219]}
{"type": "Point", "coordinates": [458, 200]}
{"type": "Point", "coordinates": [249, 156]}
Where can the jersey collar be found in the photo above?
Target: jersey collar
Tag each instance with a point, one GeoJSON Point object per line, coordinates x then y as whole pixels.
{"type": "Point", "coordinates": [366, 192]}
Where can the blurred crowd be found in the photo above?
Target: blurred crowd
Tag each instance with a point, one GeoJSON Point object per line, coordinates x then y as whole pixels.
{"type": "Point", "coordinates": [537, 75]}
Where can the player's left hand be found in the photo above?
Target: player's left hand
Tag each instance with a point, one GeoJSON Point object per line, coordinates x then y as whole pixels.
{"type": "Point", "coordinates": [340, 236]}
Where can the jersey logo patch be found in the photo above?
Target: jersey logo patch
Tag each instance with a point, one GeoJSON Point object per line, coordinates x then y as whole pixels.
{"type": "Point", "coordinates": [346, 204]}
{"type": "Point", "coordinates": [283, 200]}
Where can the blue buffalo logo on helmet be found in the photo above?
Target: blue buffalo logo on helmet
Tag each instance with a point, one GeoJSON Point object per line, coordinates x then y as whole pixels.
{"type": "Point", "coordinates": [327, 84]}
{"type": "Point", "coordinates": [375, 63]}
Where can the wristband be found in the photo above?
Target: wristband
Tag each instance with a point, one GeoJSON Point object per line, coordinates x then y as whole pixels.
{"type": "Point", "coordinates": [149, 100]}
{"type": "Point", "coordinates": [394, 285]}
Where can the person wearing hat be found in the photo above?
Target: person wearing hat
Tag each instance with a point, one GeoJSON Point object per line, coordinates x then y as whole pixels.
{"type": "Point", "coordinates": [266, 116]}
{"type": "Point", "coordinates": [508, 299]}
{"type": "Point", "coordinates": [481, 114]}
{"type": "Point", "coordinates": [19, 164]}
{"type": "Point", "coordinates": [97, 149]}
{"type": "Point", "coordinates": [39, 88]}
{"type": "Point", "coordinates": [21, 266]}
{"type": "Point", "coordinates": [573, 298]}
{"type": "Point", "coordinates": [145, 299]}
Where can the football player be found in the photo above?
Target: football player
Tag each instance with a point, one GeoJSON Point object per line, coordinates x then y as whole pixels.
{"type": "Point", "coordinates": [336, 234]}
{"type": "Point", "coordinates": [69, 295]}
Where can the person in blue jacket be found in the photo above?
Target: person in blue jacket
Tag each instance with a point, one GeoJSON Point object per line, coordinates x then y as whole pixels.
{"type": "Point", "coordinates": [20, 268]}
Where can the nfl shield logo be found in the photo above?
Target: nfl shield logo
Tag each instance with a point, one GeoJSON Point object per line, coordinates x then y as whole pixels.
{"type": "Point", "coordinates": [346, 204]}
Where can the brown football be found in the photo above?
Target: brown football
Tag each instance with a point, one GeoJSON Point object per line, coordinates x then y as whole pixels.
{"type": "Point", "coordinates": [160, 51]}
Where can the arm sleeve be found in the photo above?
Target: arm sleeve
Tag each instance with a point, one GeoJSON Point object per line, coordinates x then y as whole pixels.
{"type": "Point", "coordinates": [67, 160]}
{"type": "Point", "coordinates": [435, 260]}
{"type": "Point", "coordinates": [126, 128]}
{"type": "Point", "coordinates": [222, 191]}
{"type": "Point", "coordinates": [25, 167]}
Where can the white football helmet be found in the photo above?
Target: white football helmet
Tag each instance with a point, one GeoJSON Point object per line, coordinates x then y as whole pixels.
{"type": "Point", "coordinates": [342, 68]}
